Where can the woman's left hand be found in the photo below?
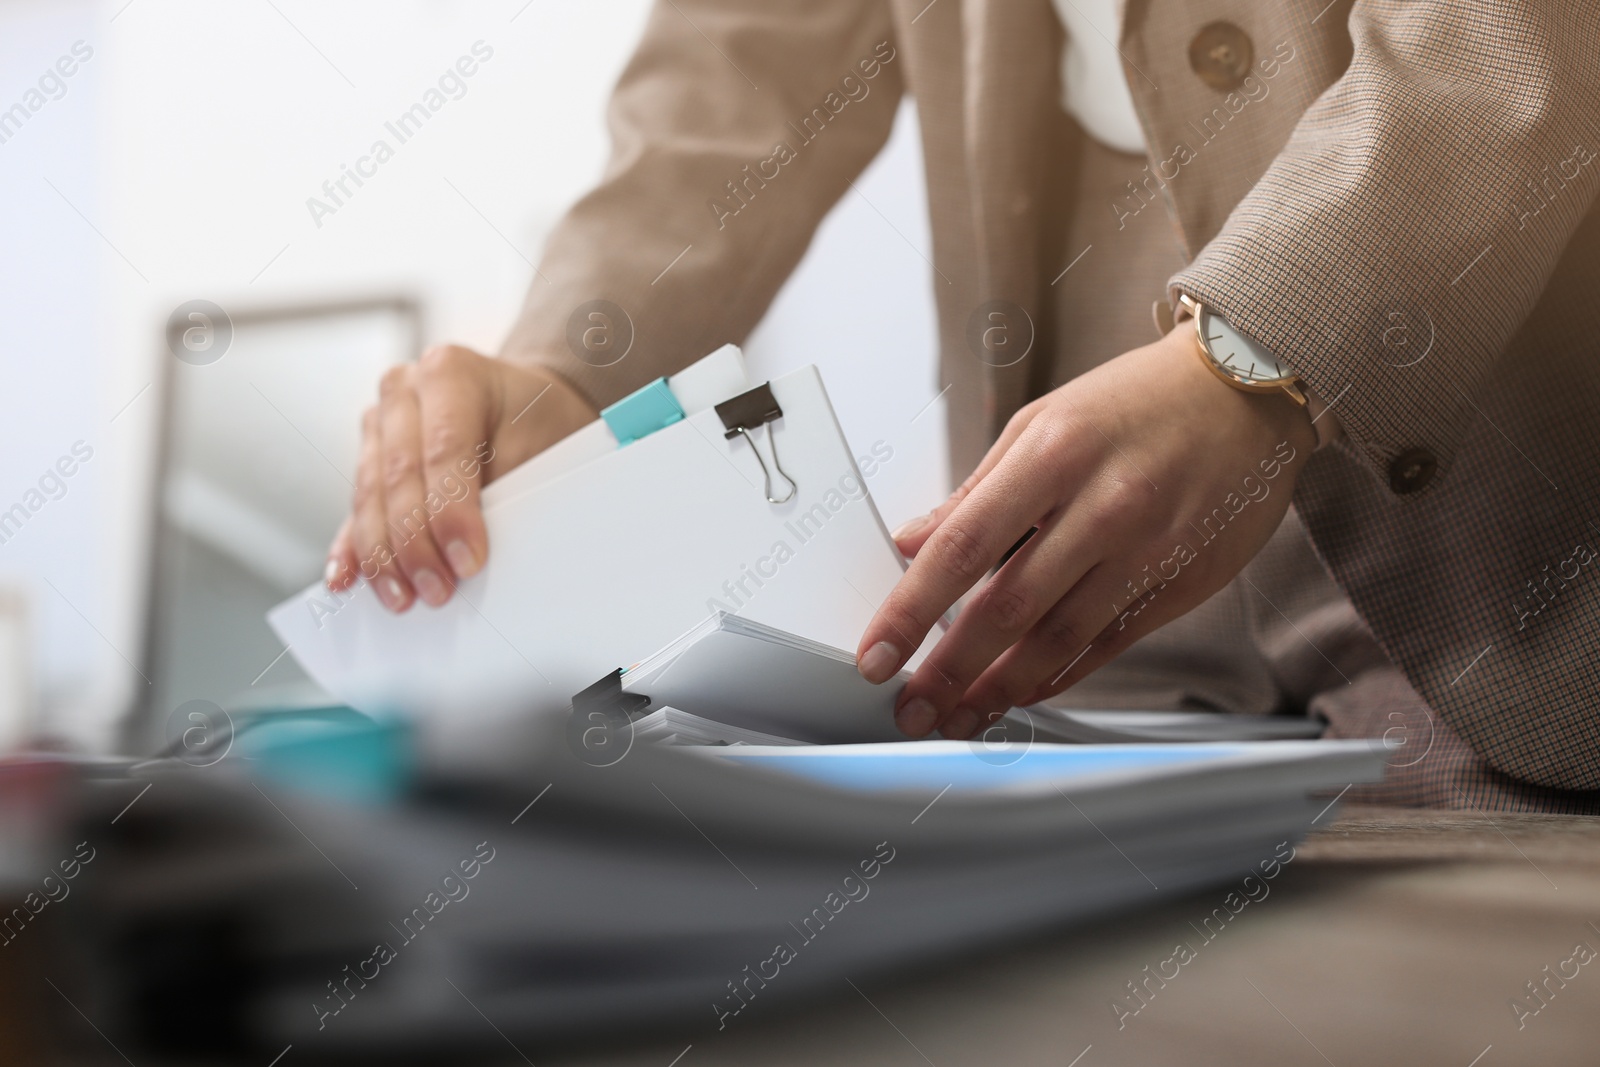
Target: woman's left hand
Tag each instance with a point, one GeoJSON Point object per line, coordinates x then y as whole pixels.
{"type": "Point", "coordinates": [1151, 482]}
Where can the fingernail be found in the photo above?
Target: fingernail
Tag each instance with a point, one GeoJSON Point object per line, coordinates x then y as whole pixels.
{"type": "Point", "coordinates": [330, 572]}
{"type": "Point", "coordinates": [878, 663]}
{"type": "Point", "coordinates": [916, 719]}
{"type": "Point", "coordinates": [393, 594]}
{"type": "Point", "coordinates": [462, 559]}
{"type": "Point", "coordinates": [431, 588]}
{"type": "Point", "coordinates": [909, 528]}
{"type": "Point", "coordinates": [961, 725]}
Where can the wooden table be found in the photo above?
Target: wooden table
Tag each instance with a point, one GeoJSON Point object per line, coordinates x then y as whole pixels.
{"type": "Point", "coordinates": [1394, 937]}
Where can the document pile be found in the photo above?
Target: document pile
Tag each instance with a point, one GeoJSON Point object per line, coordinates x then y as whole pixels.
{"type": "Point", "coordinates": [732, 680]}
{"type": "Point", "coordinates": [692, 888]}
{"type": "Point", "coordinates": [694, 495]}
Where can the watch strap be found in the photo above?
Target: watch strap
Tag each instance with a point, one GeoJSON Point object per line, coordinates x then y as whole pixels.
{"type": "Point", "coordinates": [1323, 418]}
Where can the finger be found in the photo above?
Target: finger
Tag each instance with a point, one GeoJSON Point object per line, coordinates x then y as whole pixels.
{"type": "Point", "coordinates": [343, 568]}
{"type": "Point", "coordinates": [1110, 643]}
{"type": "Point", "coordinates": [1000, 614]}
{"type": "Point", "coordinates": [405, 496]}
{"type": "Point", "coordinates": [369, 518]}
{"type": "Point", "coordinates": [1139, 616]}
{"type": "Point", "coordinates": [1014, 496]}
{"type": "Point", "coordinates": [455, 397]}
{"type": "Point", "coordinates": [911, 536]}
{"type": "Point", "coordinates": [1073, 634]}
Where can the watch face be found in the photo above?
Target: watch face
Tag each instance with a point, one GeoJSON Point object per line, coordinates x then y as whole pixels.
{"type": "Point", "coordinates": [1242, 358]}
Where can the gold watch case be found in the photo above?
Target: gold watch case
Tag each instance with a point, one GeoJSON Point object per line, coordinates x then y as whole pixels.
{"type": "Point", "coordinates": [1237, 359]}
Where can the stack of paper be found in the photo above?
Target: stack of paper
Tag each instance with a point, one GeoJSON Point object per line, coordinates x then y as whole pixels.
{"type": "Point", "coordinates": [697, 888]}
{"type": "Point", "coordinates": [736, 675]}
{"type": "Point", "coordinates": [669, 726]}
{"type": "Point", "coordinates": [599, 554]}
{"type": "Point", "coordinates": [751, 676]}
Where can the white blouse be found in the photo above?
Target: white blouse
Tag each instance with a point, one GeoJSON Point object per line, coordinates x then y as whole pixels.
{"type": "Point", "coordinates": [1094, 90]}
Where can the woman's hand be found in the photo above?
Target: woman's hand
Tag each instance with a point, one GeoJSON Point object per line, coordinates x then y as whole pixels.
{"type": "Point", "coordinates": [443, 428]}
{"type": "Point", "coordinates": [1151, 483]}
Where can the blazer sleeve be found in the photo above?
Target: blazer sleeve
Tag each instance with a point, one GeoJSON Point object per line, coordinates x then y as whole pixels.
{"type": "Point", "coordinates": [735, 126]}
{"type": "Point", "coordinates": [1410, 223]}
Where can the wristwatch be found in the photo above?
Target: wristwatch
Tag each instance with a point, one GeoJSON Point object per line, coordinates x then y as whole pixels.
{"type": "Point", "coordinates": [1238, 360]}
{"type": "Point", "coordinates": [1248, 365]}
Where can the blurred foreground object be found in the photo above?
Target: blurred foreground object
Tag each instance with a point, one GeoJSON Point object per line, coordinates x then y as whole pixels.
{"type": "Point", "coordinates": [673, 889]}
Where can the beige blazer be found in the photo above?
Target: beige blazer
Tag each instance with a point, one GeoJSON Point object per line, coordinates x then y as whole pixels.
{"type": "Point", "coordinates": [1395, 196]}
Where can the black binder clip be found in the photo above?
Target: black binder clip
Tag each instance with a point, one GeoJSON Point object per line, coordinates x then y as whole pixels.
{"type": "Point", "coordinates": [744, 413]}
{"type": "Point", "coordinates": [606, 697]}
{"type": "Point", "coordinates": [600, 728]}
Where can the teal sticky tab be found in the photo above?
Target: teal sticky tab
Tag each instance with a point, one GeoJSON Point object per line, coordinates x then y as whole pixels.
{"type": "Point", "coordinates": [643, 412]}
{"type": "Point", "coordinates": [348, 758]}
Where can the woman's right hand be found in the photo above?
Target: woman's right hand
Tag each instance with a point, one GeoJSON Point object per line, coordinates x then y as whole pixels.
{"type": "Point", "coordinates": [443, 428]}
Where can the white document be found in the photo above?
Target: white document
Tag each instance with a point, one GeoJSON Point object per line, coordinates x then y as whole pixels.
{"type": "Point", "coordinates": [592, 569]}
{"type": "Point", "coordinates": [754, 677]}
{"type": "Point", "coordinates": [747, 676]}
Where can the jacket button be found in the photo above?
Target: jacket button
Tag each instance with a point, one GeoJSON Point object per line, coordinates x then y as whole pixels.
{"type": "Point", "coordinates": [1412, 470]}
{"type": "Point", "coordinates": [1221, 54]}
